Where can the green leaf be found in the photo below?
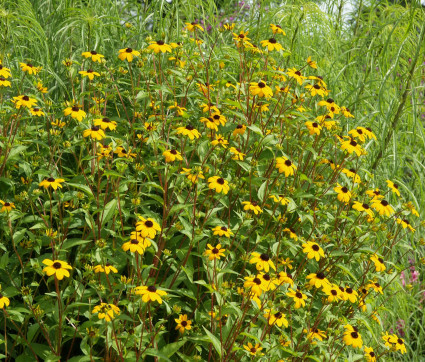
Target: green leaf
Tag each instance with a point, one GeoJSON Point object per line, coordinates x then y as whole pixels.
{"type": "Point", "coordinates": [172, 348]}
{"type": "Point", "coordinates": [83, 188]}
{"type": "Point", "coordinates": [262, 191]}
{"type": "Point", "coordinates": [156, 353]}
{"type": "Point", "coordinates": [109, 211]}
{"type": "Point", "coordinates": [214, 341]}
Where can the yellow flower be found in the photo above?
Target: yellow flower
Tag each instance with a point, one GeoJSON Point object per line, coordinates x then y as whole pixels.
{"type": "Point", "coordinates": [241, 37]}
{"type": "Point", "coordinates": [369, 354]}
{"type": "Point", "coordinates": [4, 72]}
{"type": "Point", "coordinates": [348, 294]}
{"type": "Point", "coordinates": [379, 263]}
{"type": "Point", "coordinates": [4, 82]}
{"type": "Point", "coordinates": [218, 184]}
{"type": "Point", "coordinates": [285, 166]}
{"type": "Point", "coordinates": [105, 269]}
{"type": "Point", "coordinates": [405, 224]}
{"type": "Point", "coordinates": [214, 252]}
{"type": "Point", "coordinates": [280, 199]}
{"type": "Point", "coordinates": [351, 173]}
{"type": "Point", "coordinates": [316, 90]}
{"type": "Point", "coordinates": [313, 127]}
{"type": "Point", "coordinates": [95, 56]}
{"type": "Point", "coordinates": [95, 133]}
{"type": "Point", "coordinates": [180, 110]}
{"type": "Point", "coordinates": [128, 54]}
{"type": "Point", "coordinates": [261, 89]}
{"type": "Point", "coordinates": [382, 207]}
{"type": "Point", "coordinates": [29, 68]}
{"type": "Point", "coordinates": [193, 177]}
{"type": "Point", "coordinates": [330, 105]}
{"type": "Point", "coordinates": [351, 146]}
{"type": "Point", "coordinates": [255, 285]}
{"type": "Point", "coordinates": [7, 206]}
{"type": "Point", "coordinates": [58, 123]}
{"type": "Point", "coordinates": [220, 140]}
{"type": "Point", "coordinates": [172, 155]}
{"type": "Point", "coordinates": [222, 231]}
{"type": "Point", "coordinates": [313, 250]}
{"type": "Point", "coordinates": [363, 207]}
{"type": "Point", "coordinates": [375, 286]}
{"type": "Point", "coordinates": [137, 244]}
{"type": "Point", "coordinates": [253, 350]}
{"type": "Point", "coordinates": [237, 154]}
{"type": "Point", "coordinates": [106, 311]}
{"type": "Point", "coordinates": [75, 112]}
{"type": "Point", "coordinates": [394, 187]}
{"type": "Point", "coordinates": [150, 293]}
{"type": "Point", "coordinates": [296, 74]}
{"type": "Point", "coordinates": [262, 262]}
{"type": "Point", "coordinates": [292, 233]}
{"type": "Point", "coordinates": [298, 297]}
{"type": "Point", "coordinates": [352, 337]}
{"type": "Point", "coordinates": [189, 131]}
{"type": "Point", "coordinates": [56, 267]}
{"type": "Point", "coordinates": [105, 123]}
{"type": "Point", "coordinates": [315, 334]}
{"type": "Point", "coordinates": [344, 194]}
{"type": "Point", "coordinates": [183, 323]}
{"type": "Point", "coordinates": [333, 292]}
{"type": "Point", "coordinates": [311, 63]}
{"type": "Point", "coordinates": [274, 317]}
{"type": "Point", "coordinates": [271, 44]}
{"type": "Point", "coordinates": [229, 26]}
{"type": "Point", "coordinates": [159, 46]}
{"type": "Point", "coordinates": [239, 130]}
{"type": "Point", "coordinates": [4, 301]}
{"type": "Point", "coordinates": [193, 26]}
{"type": "Point", "coordinates": [147, 228]}
{"type": "Point", "coordinates": [277, 29]}
{"type": "Point", "coordinates": [24, 101]}
{"type": "Point", "coordinates": [284, 278]}
{"type": "Point", "coordinates": [318, 280]}
{"type": "Point", "coordinates": [52, 182]}
{"type": "Point", "coordinates": [90, 73]}
{"type": "Point", "coordinates": [252, 206]}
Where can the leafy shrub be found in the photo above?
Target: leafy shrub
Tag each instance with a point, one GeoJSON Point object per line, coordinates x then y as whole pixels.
{"type": "Point", "coordinates": [205, 199]}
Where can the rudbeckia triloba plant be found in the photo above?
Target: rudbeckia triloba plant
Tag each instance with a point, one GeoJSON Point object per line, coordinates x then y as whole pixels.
{"type": "Point", "coordinates": [151, 210]}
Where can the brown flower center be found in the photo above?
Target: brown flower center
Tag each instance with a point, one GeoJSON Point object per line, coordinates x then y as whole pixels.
{"type": "Point", "coordinates": [288, 163]}
{"type": "Point", "coordinates": [75, 109]}
{"type": "Point", "coordinates": [298, 73]}
{"type": "Point", "coordinates": [173, 152]}
{"type": "Point", "coordinates": [183, 323]}
{"type": "Point", "coordinates": [384, 203]}
{"type": "Point", "coordinates": [51, 179]}
{"type": "Point", "coordinates": [224, 228]}
{"type": "Point", "coordinates": [160, 42]}
{"type": "Point", "coordinates": [95, 128]}
{"type": "Point", "coordinates": [129, 50]}
{"type": "Point", "coordinates": [355, 335]}
{"type": "Point", "coordinates": [257, 281]}
{"type": "Point", "coordinates": [190, 127]}
{"type": "Point", "coordinates": [148, 223]}
{"type": "Point", "coordinates": [220, 181]}
{"type": "Point", "coordinates": [152, 289]}
{"type": "Point", "coordinates": [57, 265]}
{"type": "Point", "coordinates": [272, 40]}
{"type": "Point", "coordinates": [261, 84]}
{"type": "Point", "coordinates": [298, 295]}
{"type": "Point", "coordinates": [264, 257]}
{"type": "Point", "coordinates": [315, 247]}
{"type": "Point", "coordinates": [25, 98]}
{"type": "Point", "coordinates": [320, 275]}
{"type": "Point", "coordinates": [134, 241]}
{"type": "Point", "coordinates": [215, 251]}
{"type": "Point", "coordinates": [93, 52]}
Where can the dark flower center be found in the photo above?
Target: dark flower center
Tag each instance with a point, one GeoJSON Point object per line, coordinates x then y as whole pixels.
{"type": "Point", "coordinates": [315, 125]}
{"type": "Point", "coordinates": [51, 179]}
{"type": "Point", "coordinates": [316, 86]}
{"type": "Point", "coordinates": [261, 84]}
{"type": "Point", "coordinates": [36, 109]}
{"type": "Point", "coordinates": [2, 79]}
{"type": "Point", "coordinates": [320, 275]}
{"type": "Point", "coordinates": [334, 292]}
{"type": "Point", "coordinates": [93, 52]}
{"type": "Point", "coordinates": [148, 224]}
{"type": "Point", "coordinates": [364, 291]}
{"type": "Point", "coordinates": [152, 289]}
{"type": "Point", "coordinates": [298, 73]}
{"type": "Point", "coordinates": [352, 170]}
{"type": "Point", "coordinates": [257, 281]}
{"type": "Point", "coordinates": [349, 291]}
{"type": "Point", "coordinates": [344, 190]}
{"type": "Point", "coordinates": [29, 65]}
{"type": "Point", "coordinates": [272, 40]}
{"type": "Point", "coordinates": [129, 50]}
{"type": "Point", "coordinates": [266, 277]}
{"type": "Point", "coordinates": [215, 251]}
{"type": "Point", "coordinates": [1, 67]}
{"type": "Point", "coordinates": [239, 126]}
{"type": "Point", "coordinates": [254, 203]}
{"type": "Point", "coordinates": [359, 131]}
{"type": "Point", "coordinates": [253, 350]}
{"type": "Point", "coordinates": [330, 100]}
{"type": "Point", "coordinates": [341, 289]}
{"type": "Point", "coordinates": [160, 42]}
{"type": "Point", "coordinates": [90, 71]}
{"type": "Point", "coordinates": [395, 186]}
{"type": "Point", "coordinates": [365, 206]}
{"type": "Point", "coordinates": [264, 257]}
{"type": "Point", "coordinates": [220, 181]}
{"type": "Point", "coordinates": [134, 241]}
{"type": "Point", "coordinates": [353, 143]}
{"type": "Point", "coordinates": [95, 128]}
{"type": "Point", "coordinates": [278, 315]}
{"type": "Point", "coordinates": [377, 285]}
{"type": "Point", "coordinates": [315, 247]}
{"type": "Point", "coordinates": [241, 36]}
{"type": "Point", "coordinates": [183, 323]}
{"type": "Point", "coordinates": [224, 228]}
{"type": "Point", "coordinates": [298, 295]}
{"type": "Point", "coordinates": [381, 260]}
{"type": "Point", "coordinates": [57, 265]}
{"type": "Point", "coordinates": [372, 354]}
{"type": "Point", "coordinates": [26, 98]}
{"type": "Point", "coordinates": [288, 163]}
{"type": "Point", "coordinates": [75, 109]}
{"type": "Point", "coordinates": [189, 127]}
{"type": "Point", "coordinates": [399, 341]}
{"type": "Point", "coordinates": [384, 203]}
{"type": "Point", "coordinates": [355, 335]}
{"type": "Point", "coordinates": [216, 116]}
{"type": "Point", "coordinates": [106, 120]}
{"type": "Point", "coordinates": [173, 152]}
{"type": "Point", "coordinates": [7, 204]}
